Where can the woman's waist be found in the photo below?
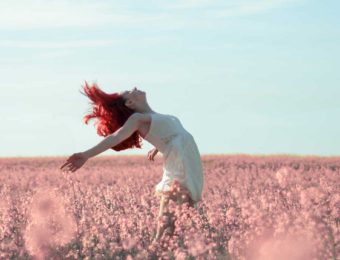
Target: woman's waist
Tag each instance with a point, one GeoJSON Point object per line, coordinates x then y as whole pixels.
{"type": "Point", "coordinates": [169, 137]}
{"type": "Point", "coordinates": [164, 142]}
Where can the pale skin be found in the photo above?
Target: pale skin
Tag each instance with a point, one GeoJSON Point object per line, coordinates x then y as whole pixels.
{"type": "Point", "coordinates": [138, 121]}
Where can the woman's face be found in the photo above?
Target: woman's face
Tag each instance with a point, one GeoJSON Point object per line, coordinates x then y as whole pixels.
{"type": "Point", "coordinates": [133, 96]}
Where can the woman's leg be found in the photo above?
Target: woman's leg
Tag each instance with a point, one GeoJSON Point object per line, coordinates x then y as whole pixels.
{"type": "Point", "coordinates": [164, 202]}
{"type": "Point", "coordinates": [179, 195]}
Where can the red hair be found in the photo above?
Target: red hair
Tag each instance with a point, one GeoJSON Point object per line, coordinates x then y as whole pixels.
{"type": "Point", "coordinates": [111, 113]}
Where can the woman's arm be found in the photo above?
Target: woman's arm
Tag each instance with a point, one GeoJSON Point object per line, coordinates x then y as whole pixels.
{"type": "Point", "coordinates": [77, 160]}
{"type": "Point", "coordinates": [130, 126]}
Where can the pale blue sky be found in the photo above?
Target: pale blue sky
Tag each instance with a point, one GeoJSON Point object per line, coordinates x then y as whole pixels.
{"type": "Point", "coordinates": [253, 77]}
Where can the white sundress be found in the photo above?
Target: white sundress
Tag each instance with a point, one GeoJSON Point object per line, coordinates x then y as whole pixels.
{"type": "Point", "coordinates": [182, 159]}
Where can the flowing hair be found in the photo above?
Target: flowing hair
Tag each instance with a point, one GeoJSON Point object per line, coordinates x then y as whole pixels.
{"type": "Point", "coordinates": [111, 113]}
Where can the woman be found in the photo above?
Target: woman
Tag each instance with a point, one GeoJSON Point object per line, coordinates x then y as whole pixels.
{"type": "Point", "coordinates": [125, 117]}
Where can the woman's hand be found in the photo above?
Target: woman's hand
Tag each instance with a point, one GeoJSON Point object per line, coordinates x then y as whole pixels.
{"type": "Point", "coordinates": [74, 162]}
{"type": "Point", "coordinates": [152, 153]}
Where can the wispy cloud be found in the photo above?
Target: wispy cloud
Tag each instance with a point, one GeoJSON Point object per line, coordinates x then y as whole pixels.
{"type": "Point", "coordinates": [37, 14]}
{"type": "Point", "coordinates": [56, 45]}
{"type": "Point", "coordinates": [184, 4]}
{"type": "Point", "coordinates": [249, 7]}
{"type": "Point", "coordinates": [76, 44]}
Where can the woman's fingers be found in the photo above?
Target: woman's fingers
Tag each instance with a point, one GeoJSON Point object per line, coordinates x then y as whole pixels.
{"type": "Point", "coordinates": [68, 162]}
{"type": "Point", "coordinates": [64, 165]}
{"type": "Point", "coordinates": [68, 166]}
{"type": "Point", "coordinates": [151, 154]}
{"type": "Point", "coordinates": [73, 168]}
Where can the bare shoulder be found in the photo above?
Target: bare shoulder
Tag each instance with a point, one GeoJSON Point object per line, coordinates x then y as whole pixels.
{"type": "Point", "coordinates": [140, 117]}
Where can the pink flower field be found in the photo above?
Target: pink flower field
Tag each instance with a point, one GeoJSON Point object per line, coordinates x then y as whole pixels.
{"type": "Point", "coordinates": [256, 208]}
